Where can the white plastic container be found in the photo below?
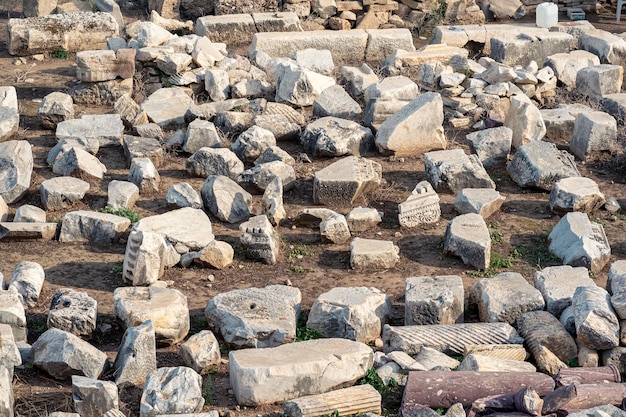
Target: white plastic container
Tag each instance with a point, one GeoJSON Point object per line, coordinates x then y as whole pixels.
{"type": "Point", "coordinates": [547, 15]}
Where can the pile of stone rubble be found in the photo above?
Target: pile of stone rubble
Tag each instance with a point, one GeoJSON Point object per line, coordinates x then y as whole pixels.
{"type": "Point", "coordinates": [233, 141]}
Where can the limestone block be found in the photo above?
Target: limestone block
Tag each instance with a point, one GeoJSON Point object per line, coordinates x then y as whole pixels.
{"type": "Point", "coordinates": [93, 398]}
{"type": "Point", "coordinates": [62, 192]}
{"type": "Point", "coordinates": [62, 354]}
{"type": "Point", "coordinates": [358, 79]}
{"type": "Point", "coordinates": [467, 236]}
{"type": "Point", "coordinates": [593, 132]}
{"type": "Point", "coordinates": [610, 48]}
{"type": "Point", "coordinates": [396, 87]}
{"type": "Point", "coordinates": [260, 239]}
{"type": "Point", "coordinates": [217, 84]}
{"type": "Point", "coordinates": [597, 327]}
{"type": "Point", "coordinates": [363, 219]}
{"type": "Point", "coordinates": [372, 253]}
{"type": "Point", "coordinates": [104, 93]}
{"type": "Point", "coordinates": [540, 164]}
{"type": "Point", "coordinates": [214, 161]}
{"type": "Point", "coordinates": [433, 300]}
{"type": "Point", "coordinates": [479, 363]}
{"type": "Point", "coordinates": [360, 399]}
{"type": "Point", "coordinates": [415, 129]}
{"type": "Point", "coordinates": [492, 145]}
{"type": "Point", "coordinates": [140, 147]}
{"type": "Point", "coordinates": [567, 65]}
{"type": "Point", "coordinates": [483, 201]}
{"type": "Point", "coordinates": [345, 180]}
{"type": "Point", "coordinates": [255, 317]}
{"type": "Point", "coordinates": [150, 34]}
{"type": "Point", "coordinates": [64, 145]}
{"type": "Point", "coordinates": [187, 225]}
{"type": "Point", "coordinates": [92, 226]}
{"type": "Point", "coordinates": [217, 254]}
{"type": "Point", "coordinates": [104, 65]}
{"type": "Point", "coordinates": [7, 400]}
{"type": "Point", "coordinates": [122, 194]}
{"type": "Point", "coordinates": [144, 258]}
{"type": "Point", "coordinates": [576, 194]}
{"type": "Point", "coordinates": [333, 136]}
{"type": "Point", "coordinates": [168, 106]}
{"type": "Point", "coordinates": [36, 8]}
{"type": "Point", "coordinates": [237, 28]}
{"type": "Point", "coordinates": [201, 352]}
{"type": "Point", "coordinates": [9, 353]}
{"type": "Point", "coordinates": [272, 201]}
{"type": "Point", "coordinates": [600, 80]}
{"type": "Point", "coordinates": [251, 143]}
{"type": "Point", "coordinates": [279, 125]}
{"type": "Point", "coordinates": [524, 120]}
{"type": "Point", "coordinates": [300, 87]}
{"type": "Point", "coordinates": [334, 229]}
{"type": "Point", "coordinates": [323, 364]}
{"type": "Point", "coordinates": [334, 101]}
{"type": "Point", "coordinates": [504, 351]}
{"type": "Point", "coordinates": [144, 175]}
{"type": "Point", "coordinates": [559, 124]}
{"type": "Point", "coordinates": [68, 32]}
{"type": "Point", "coordinates": [616, 285]}
{"type": "Point", "coordinates": [431, 358]}
{"type": "Point", "coordinates": [136, 356]}
{"type": "Point", "coordinates": [55, 107]}
{"type": "Point", "coordinates": [579, 242]}
{"type": "Point", "coordinates": [167, 308]}
{"type": "Point", "coordinates": [81, 163]}
{"type": "Point", "coordinates": [452, 170]}
{"type": "Point", "coordinates": [225, 199]}
{"type": "Point", "coordinates": [12, 313]}
{"type": "Point", "coordinates": [29, 214]}
{"type": "Point", "coordinates": [317, 60]}
{"type": "Point", "coordinates": [74, 312]}
{"type": "Point", "coordinates": [176, 390]}
{"type": "Point", "coordinates": [108, 129]}
{"type": "Point", "coordinates": [182, 194]}
{"type": "Point", "coordinates": [557, 285]}
{"type": "Point", "coordinates": [355, 313]}
{"type": "Point", "coordinates": [16, 167]}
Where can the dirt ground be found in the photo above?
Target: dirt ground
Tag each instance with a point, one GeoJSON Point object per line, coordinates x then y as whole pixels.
{"type": "Point", "coordinates": [519, 233]}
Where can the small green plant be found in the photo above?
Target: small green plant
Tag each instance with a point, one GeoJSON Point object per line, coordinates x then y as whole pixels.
{"type": "Point", "coordinates": [37, 325]}
{"type": "Point", "coordinates": [372, 378]}
{"type": "Point", "coordinates": [130, 214]}
{"type": "Point", "coordinates": [61, 54]}
{"type": "Point", "coordinates": [197, 324]}
{"type": "Point", "coordinates": [335, 413]}
{"type": "Point", "coordinates": [572, 363]}
{"type": "Point", "coordinates": [598, 220]}
{"type": "Point", "coordinates": [499, 261]}
{"type": "Point", "coordinates": [207, 390]}
{"type": "Point", "coordinates": [496, 237]}
{"type": "Point", "coordinates": [304, 333]}
{"type": "Point", "coordinates": [440, 411]}
{"type": "Point", "coordinates": [118, 269]}
{"type": "Point", "coordinates": [298, 269]}
{"type": "Point", "coordinates": [297, 252]}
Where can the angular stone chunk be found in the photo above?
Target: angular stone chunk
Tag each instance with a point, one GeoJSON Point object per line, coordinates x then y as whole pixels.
{"type": "Point", "coordinates": [279, 124]}
{"type": "Point", "coordinates": [593, 132]}
{"type": "Point", "coordinates": [255, 317]}
{"type": "Point", "coordinates": [433, 300]}
{"type": "Point", "coordinates": [452, 170]}
{"type": "Point", "coordinates": [358, 79]}
{"type": "Point", "coordinates": [9, 353]}
{"type": "Point", "coordinates": [201, 134]}
{"type": "Point", "coordinates": [334, 101]}
{"type": "Point", "coordinates": [479, 363]}
{"type": "Point", "coordinates": [62, 354]}
{"type": "Point", "coordinates": [597, 327]}
{"type": "Point", "coordinates": [29, 214]}
{"type": "Point", "coordinates": [575, 194]}
{"type": "Point", "coordinates": [93, 398]}
{"type": "Point", "coordinates": [355, 313]}
{"type": "Point", "coordinates": [182, 194]}
{"type": "Point", "coordinates": [415, 129]}
{"type": "Point", "coordinates": [333, 136]}
{"type": "Point", "coordinates": [26, 281]}
{"type": "Point", "coordinates": [600, 80]}
{"type": "Point", "coordinates": [144, 175]}
{"type": "Point", "coordinates": [175, 390]}
{"type": "Point", "coordinates": [362, 219]}
{"type": "Point", "coordinates": [104, 65]}
{"type": "Point", "coordinates": [131, 114]}
{"type": "Point", "coordinates": [525, 121]}
{"type": "Point", "coordinates": [260, 239]}
{"type": "Point", "coordinates": [12, 313]}
{"type": "Point", "coordinates": [68, 32]}
{"type": "Point", "coordinates": [344, 181]}
{"type": "Point", "coordinates": [58, 151]}
{"type": "Point", "coordinates": [557, 285]}
{"type": "Point", "coordinates": [265, 376]}
{"type": "Point", "coordinates": [80, 163]}
{"type": "Point", "coordinates": [189, 226]}
{"type": "Point", "coordinates": [422, 206]}
{"type": "Point", "coordinates": [257, 178]}
{"type": "Point", "coordinates": [567, 65]}
{"type": "Point", "coordinates": [372, 253]}
{"type": "Point", "coordinates": [334, 229]}
{"type": "Point", "coordinates": [492, 145]}
{"type": "Point", "coordinates": [107, 129]}
{"type": "Point", "coordinates": [136, 356]}
{"type": "Point", "coordinates": [168, 106]}
{"type": "Point", "coordinates": [139, 147]}
{"type": "Point", "coordinates": [166, 307]}
{"type": "Point", "coordinates": [548, 341]}
{"type": "Point", "coordinates": [616, 285]}
{"type": "Point", "coordinates": [16, 167]}
{"type": "Point", "coordinates": [467, 236]}
{"type": "Point", "coordinates": [9, 122]}
{"type": "Point", "coordinates": [74, 312]}
{"type": "Point", "coordinates": [430, 358]}
{"type": "Point", "coordinates": [483, 201]}
{"type": "Point", "coordinates": [559, 125]}
{"type": "Point", "coordinates": [201, 351]}
{"type": "Point", "coordinates": [62, 192]}
{"type": "Point", "coordinates": [272, 202]}
{"type": "Point", "coordinates": [214, 161]}
{"type": "Point", "coordinates": [7, 399]}
{"type": "Point", "coordinates": [225, 199]}
{"type": "Point", "coordinates": [299, 86]}
{"type": "Point", "coordinates": [505, 297]}
{"type": "Point", "coordinates": [579, 242]}
{"type": "Point", "coordinates": [56, 107]}
{"type": "Point", "coordinates": [144, 259]}
{"type": "Point", "coordinates": [92, 226]}
{"type": "Point", "coordinates": [540, 164]}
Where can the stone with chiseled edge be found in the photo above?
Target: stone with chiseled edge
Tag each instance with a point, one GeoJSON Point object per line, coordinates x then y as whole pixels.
{"type": "Point", "coordinates": [92, 398]}
{"type": "Point", "coordinates": [16, 167]}
{"type": "Point", "coordinates": [433, 300]}
{"type": "Point", "coordinates": [92, 226]}
{"type": "Point", "coordinates": [597, 326]}
{"type": "Point", "coordinates": [107, 129]}
{"type": "Point", "coordinates": [372, 253]}
{"type": "Point", "coordinates": [176, 390]}
{"type": "Point", "coordinates": [345, 180]}
{"type": "Point", "coordinates": [62, 192]}
{"type": "Point", "coordinates": [74, 312]}
{"type": "Point", "coordinates": [467, 236]}
{"type": "Point", "coordinates": [483, 201]}
{"type": "Point", "coordinates": [189, 226]}
{"type": "Point", "coordinates": [255, 317]}
{"type": "Point", "coordinates": [557, 285]}
{"type": "Point", "coordinates": [260, 239]}
{"type": "Point", "coordinates": [6, 392]}
{"type": "Point", "coordinates": [332, 136]}
{"type": "Point", "coordinates": [201, 351]}
{"type": "Point", "coordinates": [136, 356]}
{"type": "Point", "coordinates": [452, 170]}
{"type": "Point", "coordinates": [266, 376]}
{"type": "Point", "coordinates": [576, 194]}
{"type": "Point", "coordinates": [421, 207]}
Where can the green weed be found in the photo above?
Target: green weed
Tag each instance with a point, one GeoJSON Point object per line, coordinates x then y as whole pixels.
{"type": "Point", "coordinates": [497, 238]}
{"type": "Point", "coordinates": [499, 261]}
{"type": "Point", "coordinates": [304, 333]}
{"type": "Point", "coordinates": [207, 390]}
{"type": "Point", "coordinates": [572, 363]}
{"type": "Point", "coordinates": [298, 269]}
{"type": "Point", "coordinates": [297, 252]}
{"type": "Point", "coordinates": [130, 214]}
{"type": "Point", "coordinates": [372, 378]}
{"type": "Point", "coordinates": [61, 54]}
{"type": "Point", "coordinates": [197, 324]}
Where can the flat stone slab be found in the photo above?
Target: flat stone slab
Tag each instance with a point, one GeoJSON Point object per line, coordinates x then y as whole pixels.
{"type": "Point", "coordinates": [168, 106]}
{"type": "Point", "coordinates": [483, 201]}
{"type": "Point", "coordinates": [62, 192]}
{"type": "Point", "coordinates": [188, 226]}
{"type": "Point", "coordinates": [16, 167]}
{"type": "Point", "coordinates": [345, 180]}
{"type": "Point", "coordinates": [372, 253]}
{"type": "Point", "coordinates": [107, 129]}
{"type": "Point", "coordinates": [92, 226]}
{"type": "Point", "coordinates": [433, 300]}
{"type": "Point", "coordinates": [452, 170]}
{"type": "Point", "coordinates": [576, 194]}
{"type": "Point", "coordinates": [266, 376]}
{"type": "Point", "coordinates": [240, 28]}
{"type": "Point", "coordinates": [557, 285]}
{"type": "Point", "coordinates": [467, 236]}
{"type": "Point", "coordinates": [27, 230]}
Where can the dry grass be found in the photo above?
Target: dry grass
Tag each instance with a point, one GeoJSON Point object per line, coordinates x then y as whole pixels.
{"type": "Point", "coordinates": [42, 404]}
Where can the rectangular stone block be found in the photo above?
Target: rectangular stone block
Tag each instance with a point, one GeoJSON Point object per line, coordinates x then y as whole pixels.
{"type": "Point", "coordinates": [383, 42]}
{"type": "Point", "coordinates": [434, 300]}
{"type": "Point", "coordinates": [234, 28]}
{"type": "Point", "coordinates": [104, 65]}
{"type": "Point", "coordinates": [12, 230]}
